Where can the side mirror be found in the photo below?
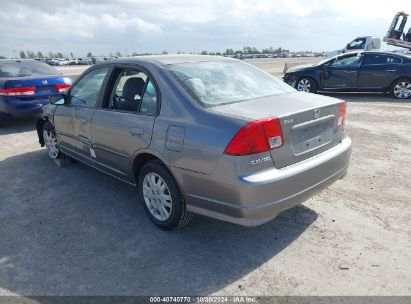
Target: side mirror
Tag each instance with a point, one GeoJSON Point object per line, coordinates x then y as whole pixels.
{"type": "Point", "coordinates": [57, 99]}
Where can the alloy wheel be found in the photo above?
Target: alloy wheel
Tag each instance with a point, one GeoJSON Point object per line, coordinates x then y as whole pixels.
{"type": "Point", "coordinates": [402, 90]}
{"type": "Point", "coordinates": [304, 85]}
{"type": "Point", "coordinates": [157, 196]}
{"type": "Point", "coordinates": [51, 143]}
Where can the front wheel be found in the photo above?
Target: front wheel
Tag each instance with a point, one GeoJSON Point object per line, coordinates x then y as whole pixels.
{"type": "Point", "coordinates": [306, 84]}
{"type": "Point", "coordinates": [50, 141]}
{"type": "Point", "coordinates": [401, 89]}
{"type": "Point", "coordinates": [162, 200]}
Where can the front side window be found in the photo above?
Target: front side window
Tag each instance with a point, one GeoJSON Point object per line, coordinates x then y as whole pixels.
{"type": "Point", "coordinates": [133, 92]}
{"type": "Point", "coordinates": [87, 90]}
{"type": "Point", "coordinates": [353, 60]}
{"type": "Point", "coordinates": [216, 83]}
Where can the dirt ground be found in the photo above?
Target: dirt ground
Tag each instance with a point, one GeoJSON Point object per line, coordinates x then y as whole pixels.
{"type": "Point", "coordinates": [75, 231]}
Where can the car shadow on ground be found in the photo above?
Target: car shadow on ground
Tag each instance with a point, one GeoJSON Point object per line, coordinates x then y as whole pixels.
{"type": "Point", "coordinates": [76, 231]}
{"type": "Point", "coordinates": [20, 125]}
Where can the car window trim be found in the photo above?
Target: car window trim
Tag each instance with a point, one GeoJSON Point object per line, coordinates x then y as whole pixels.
{"type": "Point", "coordinates": [117, 67]}
{"type": "Point", "coordinates": [402, 60]}
{"type": "Point", "coordinates": [91, 69]}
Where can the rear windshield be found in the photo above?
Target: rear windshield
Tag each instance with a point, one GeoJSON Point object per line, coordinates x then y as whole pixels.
{"type": "Point", "coordinates": [216, 83]}
{"type": "Point", "coordinates": [26, 69]}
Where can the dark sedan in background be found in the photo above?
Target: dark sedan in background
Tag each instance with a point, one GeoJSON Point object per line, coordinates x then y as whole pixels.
{"type": "Point", "coordinates": [356, 72]}
{"type": "Point", "coordinates": [25, 86]}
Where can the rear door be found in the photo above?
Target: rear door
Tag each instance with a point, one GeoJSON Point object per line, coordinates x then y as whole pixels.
{"type": "Point", "coordinates": [124, 123]}
{"type": "Point", "coordinates": [342, 73]}
{"type": "Point", "coordinates": [378, 71]}
{"type": "Point", "coordinates": [73, 120]}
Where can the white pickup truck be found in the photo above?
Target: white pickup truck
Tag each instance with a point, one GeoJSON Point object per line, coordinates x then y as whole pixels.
{"type": "Point", "coordinates": [363, 43]}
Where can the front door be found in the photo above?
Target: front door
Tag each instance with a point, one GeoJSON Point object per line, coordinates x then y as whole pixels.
{"type": "Point", "coordinates": [342, 73]}
{"type": "Point", "coordinates": [124, 123]}
{"type": "Point", "coordinates": [73, 120]}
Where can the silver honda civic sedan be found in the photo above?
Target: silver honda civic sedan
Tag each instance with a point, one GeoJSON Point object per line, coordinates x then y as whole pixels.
{"type": "Point", "coordinates": [201, 135]}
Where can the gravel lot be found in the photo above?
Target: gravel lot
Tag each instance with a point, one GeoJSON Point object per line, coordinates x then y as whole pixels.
{"type": "Point", "coordinates": [75, 231]}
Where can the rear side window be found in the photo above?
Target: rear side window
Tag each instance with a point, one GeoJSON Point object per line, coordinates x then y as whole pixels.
{"type": "Point", "coordinates": [26, 69]}
{"type": "Point", "coordinates": [381, 59]}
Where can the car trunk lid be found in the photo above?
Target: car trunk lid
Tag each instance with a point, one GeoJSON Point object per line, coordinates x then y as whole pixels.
{"type": "Point", "coordinates": [42, 87]}
{"type": "Point", "coordinates": [308, 123]}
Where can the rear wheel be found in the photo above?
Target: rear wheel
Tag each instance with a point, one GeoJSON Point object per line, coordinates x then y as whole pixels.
{"type": "Point", "coordinates": [306, 84]}
{"type": "Point", "coordinates": [401, 89]}
{"type": "Point", "coordinates": [50, 141]}
{"type": "Point", "coordinates": [162, 200]}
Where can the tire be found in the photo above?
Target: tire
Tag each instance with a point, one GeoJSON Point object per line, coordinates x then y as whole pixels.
{"type": "Point", "coordinates": [50, 141]}
{"type": "Point", "coordinates": [401, 89]}
{"type": "Point", "coordinates": [306, 84]}
{"type": "Point", "coordinates": [162, 200]}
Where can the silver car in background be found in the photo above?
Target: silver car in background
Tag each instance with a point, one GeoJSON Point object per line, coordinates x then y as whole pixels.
{"type": "Point", "coordinates": [200, 135]}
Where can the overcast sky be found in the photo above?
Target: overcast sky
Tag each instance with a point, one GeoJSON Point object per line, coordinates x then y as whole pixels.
{"type": "Point", "coordinates": [104, 26]}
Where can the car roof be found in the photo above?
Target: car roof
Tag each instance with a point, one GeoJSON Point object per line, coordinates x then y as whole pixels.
{"type": "Point", "coordinates": [172, 59]}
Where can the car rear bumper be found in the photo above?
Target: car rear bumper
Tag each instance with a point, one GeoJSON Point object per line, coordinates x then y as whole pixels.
{"type": "Point", "coordinates": [22, 108]}
{"type": "Point", "coordinates": [257, 198]}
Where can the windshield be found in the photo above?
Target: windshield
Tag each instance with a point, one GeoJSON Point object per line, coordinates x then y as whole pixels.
{"type": "Point", "coordinates": [26, 69]}
{"type": "Point", "coordinates": [357, 44]}
{"type": "Point", "coordinates": [216, 83]}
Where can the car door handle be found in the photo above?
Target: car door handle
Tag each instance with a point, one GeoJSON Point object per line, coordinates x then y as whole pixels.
{"type": "Point", "coordinates": [350, 72]}
{"type": "Point", "coordinates": [136, 131]}
{"type": "Point", "coordinates": [392, 71]}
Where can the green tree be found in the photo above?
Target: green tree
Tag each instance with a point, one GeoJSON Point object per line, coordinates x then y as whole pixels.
{"type": "Point", "coordinates": [71, 55]}
{"type": "Point", "coordinates": [51, 54]}
{"type": "Point", "coordinates": [89, 54]}
{"type": "Point", "coordinates": [134, 54]}
{"type": "Point", "coordinates": [59, 55]}
{"type": "Point", "coordinates": [2, 57]}
{"type": "Point", "coordinates": [22, 54]}
{"type": "Point", "coordinates": [30, 54]}
{"type": "Point", "coordinates": [229, 52]}
{"type": "Point", "coordinates": [118, 54]}
{"type": "Point", "coordinates": [164, 52]}
{"type": "Point", "coordinates": [40, 54]}
{"type": "Point", "coordinates": [204, 53]}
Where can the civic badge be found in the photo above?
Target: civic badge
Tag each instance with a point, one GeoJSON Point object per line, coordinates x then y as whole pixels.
{"type": "Point", "coordinates": [44, 82]}
{"type": "Point", "coordinates": [317, 113]}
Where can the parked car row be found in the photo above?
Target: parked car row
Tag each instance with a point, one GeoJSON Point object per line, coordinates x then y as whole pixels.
{"type": "Point", "coordinates": [281, 55]}
{"type": "Point", "coordinates": [73, 61]}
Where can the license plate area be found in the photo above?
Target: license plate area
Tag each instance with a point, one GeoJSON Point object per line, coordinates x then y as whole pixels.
{"type": "Point", "coordinates": [44, 89]}
{"type": "Point", "coordinates": [308, 137]}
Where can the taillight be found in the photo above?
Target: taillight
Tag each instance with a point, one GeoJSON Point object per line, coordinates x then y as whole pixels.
{"type": "Point", "coordinates": [26, 91]}
{"type": "Point", "coordinates": [341, 114]}
{"type": "Point", "coordinates": [60, 88]}
{"type": "Point", "coordinates": [256, 137]}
